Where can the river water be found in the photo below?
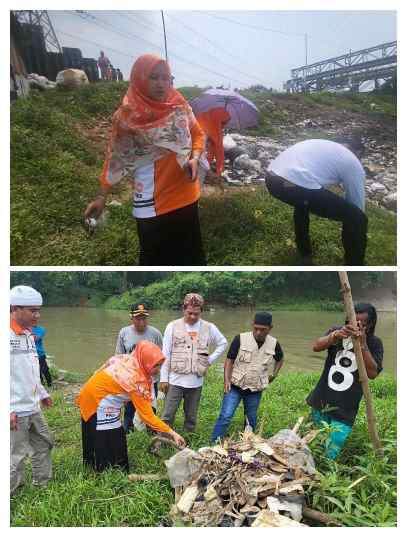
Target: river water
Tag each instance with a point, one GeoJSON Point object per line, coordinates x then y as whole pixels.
{"type": "Point", "coordinates": [81, 339]}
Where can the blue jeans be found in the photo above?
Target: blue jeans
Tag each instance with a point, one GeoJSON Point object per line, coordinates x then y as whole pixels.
{"type": "Point", "coordinates": [337, 438]}
{"type": "Point", "coordinates": [231, 401]}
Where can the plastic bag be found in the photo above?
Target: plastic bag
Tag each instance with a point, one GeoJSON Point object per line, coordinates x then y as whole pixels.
{"type": "Point", "coordinates": [182, 466]}
{"type": "Point", "coordinates": [228, 142]}
{"type": "Point", "coordinates": [294, 450]}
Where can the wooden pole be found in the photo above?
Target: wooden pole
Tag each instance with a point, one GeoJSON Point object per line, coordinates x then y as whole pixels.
{"type": "Point", "coordinates": [363, 378]}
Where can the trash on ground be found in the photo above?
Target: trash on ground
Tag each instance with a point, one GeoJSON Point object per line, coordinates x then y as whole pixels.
{"type": "Point", "coordinates": [252, 481]}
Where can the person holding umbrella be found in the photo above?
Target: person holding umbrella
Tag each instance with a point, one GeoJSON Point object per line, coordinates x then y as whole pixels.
{"type": "Point", "coordinates": [213, 122]}
{"type": "Point", "coordinates": [157, 141]}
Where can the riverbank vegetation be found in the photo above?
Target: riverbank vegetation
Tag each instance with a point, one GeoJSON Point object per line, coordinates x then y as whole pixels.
{"type": "Point", "coordinates": [58, 140]}
{"type": "Point", "coordinates": [358, 490]}
{"type": "Point", "coordinates": [116, 290]}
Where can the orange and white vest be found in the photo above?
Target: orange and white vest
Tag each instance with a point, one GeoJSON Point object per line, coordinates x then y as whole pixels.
{"type": "Point", "coordinates": [252, 365]}
{"type": "Point", "coordinates": [190, 354]}
{"type": "Point", "coordinates": [26, 390]}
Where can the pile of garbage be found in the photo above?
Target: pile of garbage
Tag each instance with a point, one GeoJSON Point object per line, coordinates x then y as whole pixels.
{"type": "Point", "coordinates": [249, 482]}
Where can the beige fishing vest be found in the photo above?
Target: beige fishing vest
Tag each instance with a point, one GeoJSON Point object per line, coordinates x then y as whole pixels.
{"type": "Point", "coordinates": [252, 365]}
{"type": "Point", "coordinates": [189, 355]}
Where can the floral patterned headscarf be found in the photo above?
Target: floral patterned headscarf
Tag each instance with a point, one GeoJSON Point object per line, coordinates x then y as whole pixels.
{"type": "Point", "coordinates": [133, 371]}
{"type": "Point", "coordinates": [144, 129]}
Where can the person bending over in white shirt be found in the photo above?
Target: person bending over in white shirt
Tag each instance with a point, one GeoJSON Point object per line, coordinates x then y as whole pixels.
{"type": "Point", "coordinates": [186, 345]}
{"type": "Point", "coordinates": [300, 176]}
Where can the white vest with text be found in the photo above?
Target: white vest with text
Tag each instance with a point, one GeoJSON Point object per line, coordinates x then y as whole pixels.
{"type": "Point", "coordinates": [252, 366]}
{"type": "Point", "coordinates": [188, 354]}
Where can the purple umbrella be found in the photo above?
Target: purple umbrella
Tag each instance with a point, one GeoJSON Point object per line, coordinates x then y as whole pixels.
{"type": "Point", "coordinates": [243, 113]}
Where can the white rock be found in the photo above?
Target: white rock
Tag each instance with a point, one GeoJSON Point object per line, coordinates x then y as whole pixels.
{"type": "Point", "coordinates": [244, 162]}
{"type": "Point", "coordinates": [378, 188]}
{"type": "Point", "coordinates": [390, 201]}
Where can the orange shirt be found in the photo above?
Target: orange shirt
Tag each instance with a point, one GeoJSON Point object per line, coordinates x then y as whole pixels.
{"type": "Point", "coordinates": [101, 385]}
{"type": "Point", "coordinates": [163, 186]}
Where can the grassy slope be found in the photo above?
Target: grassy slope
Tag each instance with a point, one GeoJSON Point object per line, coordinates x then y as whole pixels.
{"type": "Point", "coordinates": [79, 498]}
{"type": "Point", "coordinates": [54, 171]}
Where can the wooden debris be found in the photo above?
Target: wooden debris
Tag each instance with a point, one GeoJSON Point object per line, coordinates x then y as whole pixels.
{"type": "Point", "coordinates": [220, 451]}
{"type": "Point", "coordinates": [295, 487]}
{"type": "Point", "coordinates": [233, 481]}
{"type": "Point", "coordinates": [187, 499]}
{"type": "Point", "coordinates": [265, 448]}
{"type": "Point", "coordinates": [322, 518]}
{"type": "Point", "coordinates": [281, 460]}
{"type": "Point", "coordinates": [267, 519]}
{"type": "Point", "coordinates": [147, 477]}
{"type": "Point", "coordinates": [298, 424]}
{"type": "Point", "coordinates": [210, 494]}
{"type": "Point", "coordinates": [309, 437]}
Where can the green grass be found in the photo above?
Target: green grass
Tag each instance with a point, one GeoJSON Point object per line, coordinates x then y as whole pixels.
{"type": "Point", "coordinates": [76, 497]}
{"type": "Point", "coordinates": [54, 174]}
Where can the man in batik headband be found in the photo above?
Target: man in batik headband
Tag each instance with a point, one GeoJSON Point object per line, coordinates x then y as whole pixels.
{"type": "Point", "coordinates": [186, 345]}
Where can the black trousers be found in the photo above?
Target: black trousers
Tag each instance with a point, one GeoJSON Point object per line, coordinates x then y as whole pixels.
{"type": "Point", "coordinates": [44, 370]}
{"type": "Point", "coordinates": [103, 449]}
{"type": "Point", "coordinates": [171, 239]}
{"type": "Point", "coordinates": [129, 412]}
{"type": "Point", "coordinates": [326, 204]}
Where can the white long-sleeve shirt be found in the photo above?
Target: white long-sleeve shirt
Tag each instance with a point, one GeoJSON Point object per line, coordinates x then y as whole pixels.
{"type": "Point", "coordinates": [26, 390]}
{"type": "Point", "coordinates": [190, 380]}
{"type": "Point", "coordinates": [316, 164]}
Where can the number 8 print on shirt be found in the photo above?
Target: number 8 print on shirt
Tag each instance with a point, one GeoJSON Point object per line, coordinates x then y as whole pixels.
{"type": "Point", "coordinates": [340, 377]}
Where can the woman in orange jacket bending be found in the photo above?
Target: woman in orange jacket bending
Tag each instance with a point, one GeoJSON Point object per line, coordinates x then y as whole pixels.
{"type": "Point", "coordinates": [123, 378]}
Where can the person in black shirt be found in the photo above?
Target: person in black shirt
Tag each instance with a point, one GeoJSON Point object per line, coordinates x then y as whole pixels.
{"type": "Point", "coordinates": [253, 361]}
{"type": "Point", "coordinates": [337, 395]}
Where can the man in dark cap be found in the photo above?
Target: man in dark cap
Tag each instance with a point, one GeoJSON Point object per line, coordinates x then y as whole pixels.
{"type": "Point", "coordinates": [253, 361]}
{"type": "Point", "coordinates": [127, 339]}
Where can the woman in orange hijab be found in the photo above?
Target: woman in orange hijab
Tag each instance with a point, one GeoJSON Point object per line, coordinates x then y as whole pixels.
{"type": "Point", "coordinates": [157, 142]}
{"type": "Point", "coordinates": [123, 378]}
{"type": "Point", "coordinates": [213, 122]}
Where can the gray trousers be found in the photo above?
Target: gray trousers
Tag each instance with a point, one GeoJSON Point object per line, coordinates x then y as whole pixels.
{"type": "Point", "coordinates": [191, 397]}
{"type": "Point", "coordinates": [33, 438]}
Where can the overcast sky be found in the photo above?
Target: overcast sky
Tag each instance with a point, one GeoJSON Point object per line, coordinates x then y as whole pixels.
{"type": "Point", "coordinates": [233, 48]}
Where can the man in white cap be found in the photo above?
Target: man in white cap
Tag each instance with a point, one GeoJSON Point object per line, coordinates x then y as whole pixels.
{"type": "Point", "coordinates": [186, 345]}
{"type": "Point", "coordinates": [29, 432]}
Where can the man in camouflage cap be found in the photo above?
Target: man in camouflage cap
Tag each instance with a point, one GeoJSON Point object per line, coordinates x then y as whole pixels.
{"type": "Point", "coordinates": [186, 345]}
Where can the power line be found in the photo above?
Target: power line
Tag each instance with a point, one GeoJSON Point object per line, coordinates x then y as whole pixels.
{"type": "Point", "coordinates": [213, 43]}
{"type": "Point", "coordinates": [189, 44]}
{"type": "Point", "coordinates": [252, 26]}
{"type": "Point", "coordinates": [94, 43]}
{"type": "Point", "coordinates": [105, 47]}
{"type": "Point", "coordinates": [94, 20]}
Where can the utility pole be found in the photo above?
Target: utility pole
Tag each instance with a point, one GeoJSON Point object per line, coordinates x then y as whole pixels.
{"type": "Point", "coordinates": [165, 36]}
